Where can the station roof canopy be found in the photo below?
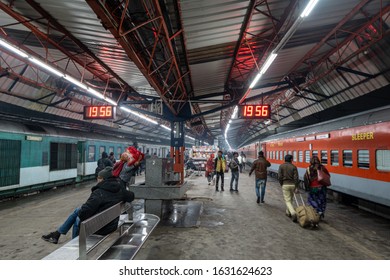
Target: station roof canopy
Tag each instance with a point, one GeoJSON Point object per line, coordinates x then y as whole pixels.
{"type": "Point", "coordinates": [193, 61]}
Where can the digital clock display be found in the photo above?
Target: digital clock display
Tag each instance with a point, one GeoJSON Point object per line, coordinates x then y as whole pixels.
{"type": "Point", "coordinates": [106, 112]}
{"type": "Point", "coordinates": [253, 111]}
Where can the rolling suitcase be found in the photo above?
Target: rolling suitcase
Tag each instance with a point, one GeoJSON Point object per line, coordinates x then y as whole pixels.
{"type": "Point", "coordinates": [307, 216]}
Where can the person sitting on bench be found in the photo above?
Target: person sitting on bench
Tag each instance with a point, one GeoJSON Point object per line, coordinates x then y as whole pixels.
{"type": "Point", "coordinates": [105, 194]}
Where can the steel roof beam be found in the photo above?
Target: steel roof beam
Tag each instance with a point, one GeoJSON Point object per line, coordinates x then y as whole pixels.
{"type": "Point", "coordinates": [264, 94]}
{"type": "Point", "coordinates": [147, 60]}
{"type": "Point", "coordinates": [59, 27]}
{"type": "Point", "coordinates": [310, 53]}
{"type": "Point", "coordinates": [46, 38]}
{"type": "Point", "coordinates": [209, 95]}
{"type": "Point", "coordinates": [342, 60]}
{"type": "Point", "coordinates": [262, 50]}
{"type": "Point", "coordinates": [359, 73]}
{"type": "Point", "coordinates": [335, 94]}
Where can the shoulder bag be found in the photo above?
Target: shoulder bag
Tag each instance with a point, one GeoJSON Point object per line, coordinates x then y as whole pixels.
{"type": "Point", "coordinates": [323, 178]}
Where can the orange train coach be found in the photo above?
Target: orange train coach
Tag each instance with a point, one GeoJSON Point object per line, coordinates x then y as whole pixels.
{"type": "Point", "coordinates": [355, 150]}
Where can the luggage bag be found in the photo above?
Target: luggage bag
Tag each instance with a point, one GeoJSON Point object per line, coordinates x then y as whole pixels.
{"type": "Point", "coordinates": [306, 214]}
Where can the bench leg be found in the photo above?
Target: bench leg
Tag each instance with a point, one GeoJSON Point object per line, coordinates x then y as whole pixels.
{"type": "Point", "coordinates": [153, 206]}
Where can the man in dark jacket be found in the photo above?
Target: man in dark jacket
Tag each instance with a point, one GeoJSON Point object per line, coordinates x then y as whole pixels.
{"type": "Point", "coordinates": [260, 166]}
{"type": "Point", "coordinates": [103, 163]}
{"type": "Point", "coordinates": [289, 180]}
{"type": "Point", "coordinates": [105, 194]}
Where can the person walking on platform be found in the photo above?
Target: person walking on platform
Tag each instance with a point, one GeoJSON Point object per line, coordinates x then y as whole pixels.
{"type": "Point", "coordinates": [239, 161]}
{"type": "Point", "coordinates": [243, 156]}
{"type": "Point", "coordinates": [210, 170]}
{"type": "Point", "coordinates": [103, 163]}
{"type": "Point", "coordinates": [289, 180]}
{"type": "Point", "coordinates": [112, 158]}
{"type": "Point", "coordinates": [234, 166]}
{"type": "Point", "coordinates": [317, 192]}
{"type": "Point", "coordinates": [220, 167]}
{"type": "Point", "coordinates": [260, 166]}
{"type": "Point", "coordinates": [105, 194]}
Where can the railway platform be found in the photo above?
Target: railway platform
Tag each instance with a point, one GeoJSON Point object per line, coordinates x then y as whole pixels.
{"type": "Point", "coordinates": [226, 226]}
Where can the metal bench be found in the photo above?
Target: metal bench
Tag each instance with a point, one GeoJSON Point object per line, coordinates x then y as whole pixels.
{"type": "Point", "coordinates": [125, 245]}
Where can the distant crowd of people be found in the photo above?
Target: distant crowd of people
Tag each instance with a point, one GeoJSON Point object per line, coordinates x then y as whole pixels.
{"type": "Point", "coordinates": [287, 176]}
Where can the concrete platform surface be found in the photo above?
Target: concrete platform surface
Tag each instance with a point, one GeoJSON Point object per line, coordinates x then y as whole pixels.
{"type": "Point", "coordinates": [231, 226]}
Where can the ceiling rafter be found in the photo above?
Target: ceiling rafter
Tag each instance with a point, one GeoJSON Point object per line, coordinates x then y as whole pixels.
{"type": "Point", "coordinates": [250, 52]}
{"type": "Point", "coordinates": [132, 31]}
{"type": "Point", "coordinates": [324, 63]}
{"type": "Point", "coordinates": [316, 62]}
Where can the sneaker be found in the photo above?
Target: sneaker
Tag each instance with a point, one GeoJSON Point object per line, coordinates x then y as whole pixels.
{"type": "Point", "coordinates": [262, 201]}
{"type": "Point", "coordinates": [52, 237]}
{"type": "Point", "coordinates": [258, 200]}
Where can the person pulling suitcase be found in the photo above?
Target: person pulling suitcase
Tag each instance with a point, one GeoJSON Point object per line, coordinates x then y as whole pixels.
{"type": "Point", "coordinates": [289, 180]}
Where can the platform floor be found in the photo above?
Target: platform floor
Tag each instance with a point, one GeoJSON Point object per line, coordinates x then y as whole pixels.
{"type": "Point", "coordinates": [231, 226]}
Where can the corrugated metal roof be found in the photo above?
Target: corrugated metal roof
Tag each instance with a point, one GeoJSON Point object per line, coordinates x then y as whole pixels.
{"type": "Point", "coordinates": [79, 19]}
{"type": "Point", "coordinates": [212, 29]}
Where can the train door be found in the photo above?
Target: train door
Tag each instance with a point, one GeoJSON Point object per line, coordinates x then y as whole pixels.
{"type": "Point", "coordinates": [263, 148]}
{"type": "Point", "coordinates": [163, 152]}
{"type": "Point", "coordinates": [81, 158]}
{"type": "Point", "coordinates": [10, 153]}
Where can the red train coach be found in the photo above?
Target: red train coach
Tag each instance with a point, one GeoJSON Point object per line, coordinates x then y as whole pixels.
{"type": "Point", "coordinates": [355, 150]}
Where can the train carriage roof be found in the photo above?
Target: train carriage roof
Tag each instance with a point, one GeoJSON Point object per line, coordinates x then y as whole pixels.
{"type": "Point", "coordinates": [360, 119]}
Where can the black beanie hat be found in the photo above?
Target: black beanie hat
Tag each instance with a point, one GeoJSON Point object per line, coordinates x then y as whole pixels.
{"type": "Point", "coordinates": [105, 173]}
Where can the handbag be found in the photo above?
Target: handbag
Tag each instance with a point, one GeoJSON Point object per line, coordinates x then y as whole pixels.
{"type": "Point", "coordinates": [323, 178]}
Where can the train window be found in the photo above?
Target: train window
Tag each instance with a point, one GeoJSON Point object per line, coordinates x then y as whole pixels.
{"type": "Point", "coordinates": [110, 150]}
{"type": "Point", "coordinates": [347, 158]}
{"type": "Point", "coordinates": [285, 153]}
{"type": "Point", "coordinates": [324, 157]}
{"type": "Point", "coordinates": [63, 156]}
{"type": "Point", "coordinates": [315, 154]}
{"type": "Point", "coordinates": [334, 158]}
{"type": "Point", "coordinates": [281, 155]}
{"type": "Point", "coordinates": [383, 160]}
{"type": "Point", "coordinates": [276, 155]}
{"type": "Point", "coordinates": [101, 150]}
{"type": "Point", "coordinates": [364, 159]}
{"type": "Point", "coordinates": [91, 153]}
{"type": "Point", "coordinates": [300, 156]}
{"type": "Point", "coordinates": [307, 156]}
